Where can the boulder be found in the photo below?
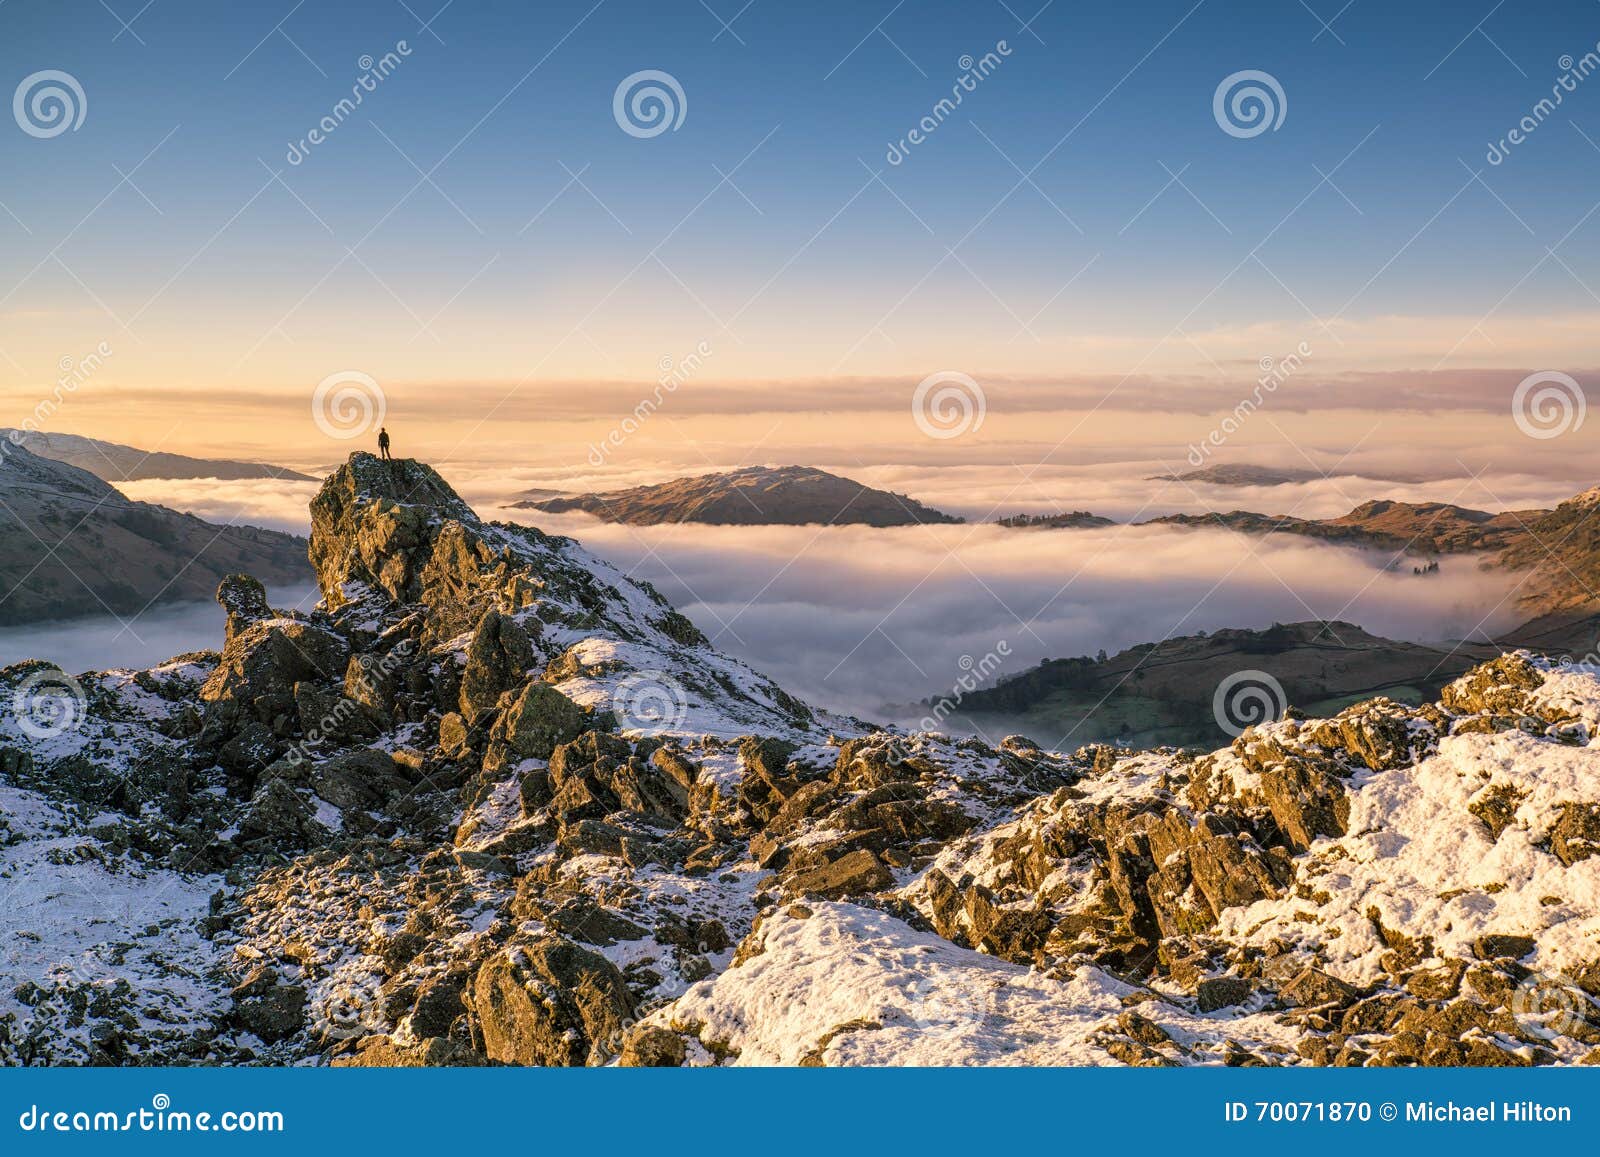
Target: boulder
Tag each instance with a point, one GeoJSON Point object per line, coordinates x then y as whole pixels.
{"type": "Point", "coordinates": [498, 658]}
{"type": "Point", "coordinates": [1576, 833]}
{"type": "Point", "coordinates": [651, 1046]}
{"type": "Point", "coordinates": [1501, 945]}
{"type": "Point", "coordinates": [1307, 800]}
{"type": "Point", "coordinates": [278, 818]}
{"type": "Point", "coordinates": [362, 779]}
{"type": "Point", "coordinates": [1499, 687]}
{"type": "Point", "coordinates": [267, 1008]}
{"type": "Point", "coordinates": [548, 1001]}
{"type": "Point", "coordinates": [245, 601]}
{"type": "Point", "coordinates": [261, 664]}
{"type": "Point", "coordinates": [328, 717]}
{"type": "Point", "coordinates": [539, 720]}
{"type": "Point", "coordinates": [1216, 992]}
{"type": "Point", "coordinates": [437, 1007]}
{"type": "Point", "coordinates": [854, 874]}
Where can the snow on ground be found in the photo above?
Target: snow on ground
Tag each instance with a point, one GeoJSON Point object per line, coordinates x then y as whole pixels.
{"type": "Point", "coordinates": [849, 985]}
{"type": "Point", "coordinates": [82, 926]}
{"type": "Point", "coordinates": [1419, 858]}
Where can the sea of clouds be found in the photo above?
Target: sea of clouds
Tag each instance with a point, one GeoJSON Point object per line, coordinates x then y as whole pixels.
{"type": "Point", "coordinates": [870, 621]}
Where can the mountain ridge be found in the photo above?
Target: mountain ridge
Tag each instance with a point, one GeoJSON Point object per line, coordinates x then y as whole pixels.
{"type": "Point", "coordinates": [750, 496]}
{"type": "Point", "coordinates": [71, 544]}
{"type": "Point", "coordinates": [114, 462]}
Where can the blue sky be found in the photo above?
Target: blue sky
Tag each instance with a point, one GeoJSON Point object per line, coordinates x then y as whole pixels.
{"type": "Point", "coordinates": [802, 265]}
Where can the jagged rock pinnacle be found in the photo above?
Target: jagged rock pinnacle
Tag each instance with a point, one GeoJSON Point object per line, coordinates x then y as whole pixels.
{"type": "Point", "coordinates": [374, 522]}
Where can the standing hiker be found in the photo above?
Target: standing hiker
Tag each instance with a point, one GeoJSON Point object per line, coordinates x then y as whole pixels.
{"type": "Point", "coordinates": [383, 443]}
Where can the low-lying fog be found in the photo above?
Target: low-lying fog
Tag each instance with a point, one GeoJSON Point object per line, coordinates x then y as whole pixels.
{"type": "Point", "coordinates": [861, 619]}
{"type": "Point", "coordinates": [856, 618]}
{"type": "Point", "coordinates": [104, 641]}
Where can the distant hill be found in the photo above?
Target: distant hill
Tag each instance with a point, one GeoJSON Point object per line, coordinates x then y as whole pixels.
{"type": "Point", "coordinates": [115, 462]}
{"type": "Point", "coordinates": [1072, 520]}
{"type": "Point", "coordinates": [1420, 527]}
{"type": "Point", "coordinates": [1241, 475]}
{"type": "Point", "coordinates": [753, 496]}
{"type": "Point", "coordinates": [72, 545]}
{"type": "Point", "coordinates": [1162, 692]}
{"type": "Point", "coordinates": [1562, 549]}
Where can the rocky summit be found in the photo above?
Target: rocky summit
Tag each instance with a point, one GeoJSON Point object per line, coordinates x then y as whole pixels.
{"type": "Point", "coordinates": [494, 802]}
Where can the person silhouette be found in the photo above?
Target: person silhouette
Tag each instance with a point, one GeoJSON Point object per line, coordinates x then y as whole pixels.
{"type": "Point", "coordinates": [383, 443]}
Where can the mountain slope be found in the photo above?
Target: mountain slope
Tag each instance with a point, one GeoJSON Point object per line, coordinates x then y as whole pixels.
{"type": "Point", "coordinates": [1561, 555]}
{"type": "Point", "coordinates": [72, 545]}
{"type": "Point", "coordinates": [753, 496]}
{"type": "Point", "coordinates": [1163, 692]}
{"type": "Point", "coordinates": [495, 802]}
{"type": "Point", "coordinates": [118, 463]}
{"type": "Point", "coordinates": [1415, 527]}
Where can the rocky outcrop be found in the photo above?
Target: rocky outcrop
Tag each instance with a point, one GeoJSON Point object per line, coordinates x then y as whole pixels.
{"type": "Point", "coordinates": [498, 659]}
{"type": "Point", "coordinates": [550, 1002]}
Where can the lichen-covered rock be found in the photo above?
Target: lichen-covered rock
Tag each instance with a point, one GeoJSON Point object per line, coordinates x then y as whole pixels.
{"type": "Point", "coordinates": [244, 600]}
{"type": "Point", "coordinates": [264, 660]}
{"type": "Point", "coordinates": [498, 658]}
{"type": "Point", "coordinates": [539, 720]}
{"type": "Point", "coordinates": [549, 1002]}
